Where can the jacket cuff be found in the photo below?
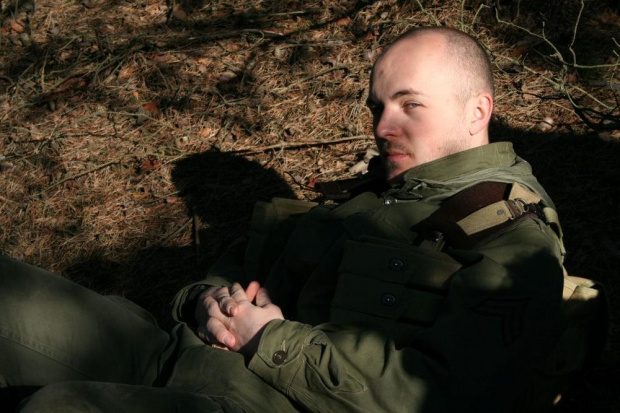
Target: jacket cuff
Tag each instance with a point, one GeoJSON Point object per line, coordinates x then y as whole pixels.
{"type": "Point", "coordinates": [184, 303]}
{"type": "Point", "coordinates": [279, 356]}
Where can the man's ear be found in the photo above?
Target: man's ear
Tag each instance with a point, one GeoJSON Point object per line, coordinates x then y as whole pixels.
{"type": "Point", "coordinates": [480, 110]}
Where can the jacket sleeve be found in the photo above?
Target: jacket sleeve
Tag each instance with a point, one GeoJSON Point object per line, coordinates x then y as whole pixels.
{"type": "Point", "coordinates": [501, 317]}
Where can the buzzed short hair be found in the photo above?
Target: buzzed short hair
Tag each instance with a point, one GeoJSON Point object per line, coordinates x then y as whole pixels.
{"type": "Point", "coordinates": [471, 62]}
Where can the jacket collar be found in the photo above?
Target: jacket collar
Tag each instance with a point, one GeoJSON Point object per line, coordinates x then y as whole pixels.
{"type": "Point", "coordinates": [494, 155]}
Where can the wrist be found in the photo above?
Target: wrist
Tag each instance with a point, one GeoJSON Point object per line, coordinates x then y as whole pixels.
{"type": "Point", "coordinates": [251, 347]}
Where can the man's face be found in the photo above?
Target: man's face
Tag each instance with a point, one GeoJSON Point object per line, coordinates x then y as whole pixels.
{"type": "Point", "coordinates": [417, 117]}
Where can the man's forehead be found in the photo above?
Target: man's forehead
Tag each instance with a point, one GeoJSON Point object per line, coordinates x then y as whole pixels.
{"type": "Point", "coordinates": [425, 48]}
{"type": "Point", "coordinates": [415, 41]}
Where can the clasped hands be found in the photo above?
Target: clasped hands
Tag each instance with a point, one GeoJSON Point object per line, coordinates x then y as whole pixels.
{"type": "Point", "coordinates": [234, 317]}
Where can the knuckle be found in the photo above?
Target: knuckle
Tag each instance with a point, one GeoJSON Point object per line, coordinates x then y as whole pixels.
{"type": "Point", "coordinates": [211, 306]}
{"type": "Point", "coordinates": [221, 293]}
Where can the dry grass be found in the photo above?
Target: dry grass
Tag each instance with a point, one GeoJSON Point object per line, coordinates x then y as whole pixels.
{"type": "Point", "coordinates": [136, 135]}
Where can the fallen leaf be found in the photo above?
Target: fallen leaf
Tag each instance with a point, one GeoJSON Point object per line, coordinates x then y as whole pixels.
{"type": "Point", "coordinates": [17, 28]}
{"type": "Point", "coordinates": [205, 132]}
{"type": "Point", "coordinates": [151, 107]}
{"type": "Point", "coordinates": [161, 58]}
{"type": "Point", "coordinates": [312, 181]}
{"type": "Point", "coordinates": [147, 165]}
{"type": "Point", "coordinates": [127, 72]}
{"type": "Point", "coordinates": [139, 195]}
{"type": "Point", "coordinates": [344, 21]}
{"type": "Point", "coordinates": [517, 52]}
{"type": "Point", "coordinates": [178, 13]}
{"type": "Point", "coordinates": [572, 77]}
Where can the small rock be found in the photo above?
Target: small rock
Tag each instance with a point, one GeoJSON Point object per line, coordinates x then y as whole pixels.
{"type": "Point", "coordinates": [359, 168]}
{"type": "Point", "coordinates": [25, 39]}
{"type": "Point", "coordinates": [311, 105]}
{"type": "Point", "coordinates": [370, 153]}
{"type": "Point", "coordinates": [227, 76]}
{"type": "Point", "coordinates": [605, 136]}
{"type": "Point", "coordinates": [370, 54]}
{"type": "Point", "coordinates": [279, 52]}
{"type": "Point", "coordinates": [6, 166]}
{"type": "Point", "coordinates": [181, 141]}
{"type": "Point", "coordinates": [545, 125]}
{"type": "Point", "coordinates": [28, 6]}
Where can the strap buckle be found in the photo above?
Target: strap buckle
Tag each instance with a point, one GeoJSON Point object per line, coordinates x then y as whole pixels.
{"type": "Point", "coordinates": [517, 207]}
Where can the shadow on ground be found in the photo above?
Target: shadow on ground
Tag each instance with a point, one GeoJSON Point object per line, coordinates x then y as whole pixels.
{"type": "Point", "coordinates": [219, 191]}
{"type": "Point", "coordinates": [582, 175]}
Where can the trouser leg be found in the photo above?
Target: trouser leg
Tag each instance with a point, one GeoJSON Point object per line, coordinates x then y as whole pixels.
{"type": "Point", "coordinates": [74, 397]}
{"type": "Point", "coordinates": [54, 330]}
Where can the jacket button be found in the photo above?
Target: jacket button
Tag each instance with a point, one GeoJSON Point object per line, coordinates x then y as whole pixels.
{"type": "Point", "coordinates": [279, 357]}
{"type": "Point", "coordinates": [388, 300]}
{"type": "Point", "coordinates": [396, 264]}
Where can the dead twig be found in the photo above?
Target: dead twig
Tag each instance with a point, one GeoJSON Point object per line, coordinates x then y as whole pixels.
{"type": "Point", "coordinates": [428, 13]}
{"type": "Point", "coordinates": [307, 78]}
{"type": "Point", "coordinates": [173, 233]}
{"type": "Point", "coordinates": [294, 145]}
{"type": "Point", "coordinates": [556, 52]}
{"type": "Point", "coordinates": [572, 43]}
{"type": "Point", "coordinates": [78, 175]}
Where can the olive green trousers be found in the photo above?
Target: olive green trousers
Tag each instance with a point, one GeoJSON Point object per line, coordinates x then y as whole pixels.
{"type": "Point", "coordinates": [65, 348]}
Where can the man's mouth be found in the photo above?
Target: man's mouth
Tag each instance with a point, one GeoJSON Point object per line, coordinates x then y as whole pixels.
{"type": "Point", "coordinates": [393, 156]}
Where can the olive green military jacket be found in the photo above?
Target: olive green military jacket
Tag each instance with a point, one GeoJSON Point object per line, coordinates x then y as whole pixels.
{"type": "Point", "coordinates": [378, 321]}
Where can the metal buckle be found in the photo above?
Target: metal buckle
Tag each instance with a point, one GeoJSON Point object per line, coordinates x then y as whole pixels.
{"type": "Point", "coordinates": [517, 207]}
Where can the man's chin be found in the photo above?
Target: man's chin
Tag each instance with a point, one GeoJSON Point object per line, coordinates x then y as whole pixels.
{"type": "Point", "coordinates": [394, 172]}
{"type": "Point", "coordinates": [394, 175]}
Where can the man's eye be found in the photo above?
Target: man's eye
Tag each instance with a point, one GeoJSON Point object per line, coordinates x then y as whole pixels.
{"type": "Point", "coordinates": [411, 105]}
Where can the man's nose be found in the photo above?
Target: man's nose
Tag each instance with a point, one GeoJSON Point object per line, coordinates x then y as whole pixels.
{"type": "Point", "coordinates": [384, 125]}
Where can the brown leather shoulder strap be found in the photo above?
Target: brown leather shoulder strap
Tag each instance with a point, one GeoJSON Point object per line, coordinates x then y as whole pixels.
{"type": "Point", "coordinates": [448, 220]}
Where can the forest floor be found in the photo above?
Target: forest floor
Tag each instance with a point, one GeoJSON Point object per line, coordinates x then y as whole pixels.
{"type": "Point", "coordinates": [136, 135]}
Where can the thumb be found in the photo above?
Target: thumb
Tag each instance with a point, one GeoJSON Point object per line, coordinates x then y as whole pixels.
{"type": "Point", "coordinates": [252, 290]}
{"type": "Point", "coordinates": [262, 297]}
